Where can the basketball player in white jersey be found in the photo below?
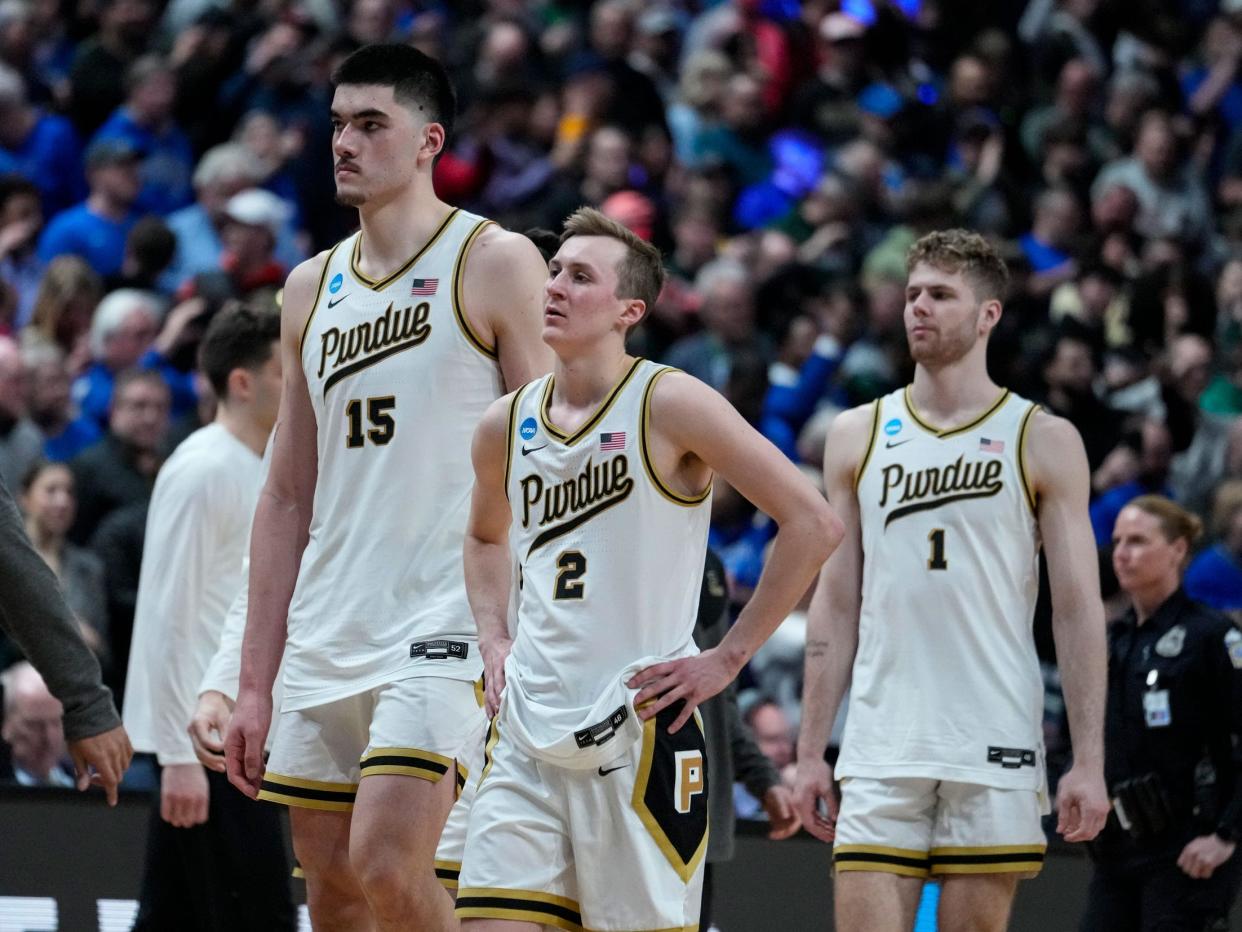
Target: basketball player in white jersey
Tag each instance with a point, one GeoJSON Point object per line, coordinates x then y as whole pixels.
{"type": "Point", "coordinates": [596, 481]}
{"type": "Point", "coordinates": [396, 341]}
{"type": "Point", "coordinates": [947, 490]}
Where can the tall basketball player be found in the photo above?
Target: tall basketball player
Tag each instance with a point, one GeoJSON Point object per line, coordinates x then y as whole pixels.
{"type": "Point", "coordinates": [396, 341]}
{"type": "Point", "coordinates": [947, 489]}
{"type": "Point", "coordinates": [596, 480]}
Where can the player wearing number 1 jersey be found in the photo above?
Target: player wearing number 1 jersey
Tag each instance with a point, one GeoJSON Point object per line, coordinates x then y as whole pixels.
{"type": "Point", "coordinates": [396, 341]}
{"type": "Point", "coordinates": [596, 481]}
{"type": "Point", "coordinates": [947, 489]}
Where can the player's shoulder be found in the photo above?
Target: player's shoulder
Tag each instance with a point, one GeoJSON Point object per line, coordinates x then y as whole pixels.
{"type": "Point", "coordinates": [1049, 435]}
{"type": "Point", "coordinates": [204, 461]}
{"type": "Point", "coordinates": [306, 274]}
{"type": "Point", "coordinates": [497, 251]}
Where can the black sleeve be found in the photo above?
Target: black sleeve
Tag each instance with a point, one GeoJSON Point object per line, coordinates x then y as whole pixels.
{"type": "Point", "coordinates": [34, 615]}
{"type": "Point", "coordinates": [1224, 653]}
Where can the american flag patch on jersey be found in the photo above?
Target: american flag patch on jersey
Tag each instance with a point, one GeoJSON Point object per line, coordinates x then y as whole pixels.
{"type": "Point", "coordinates": [424, 286]}
{"type": "Point", "coordinates": [612, 441]}
{"type": "Point", "coordinates": [991, 446]}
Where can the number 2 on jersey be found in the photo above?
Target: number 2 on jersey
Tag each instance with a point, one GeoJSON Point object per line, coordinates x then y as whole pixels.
{"type": "Point", "coordinates": [573, 566]}
{"type": "Point", "coordinates": [382, 424]}
{"type": "Point", "coordinates": [937, 561]}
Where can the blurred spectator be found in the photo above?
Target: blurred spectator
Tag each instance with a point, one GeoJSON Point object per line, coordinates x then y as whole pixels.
{"type": "Point", "coordinates": [1201, 440]}
{"type": "Point", "coordinates": [739, 141]}
{"type": "Point", "coordinates": [826, 103]}
{"type": "Point", "coordinates": [1077, 104]}
{"type": "Point", "coordinates": [253, 220]}
{"type": "Point", "coordinates": [63, 308]}
{"type": "Point", "coordinates": [21, 221]}
{"type": "Point", "coordinates": [123, 328]}
{"type": "Point", "coordinates": [224, 171]}
{"type": "Point", "coordinates": [1215, 575]}
{"type": "Point", "coordinates": [49, 504]}
{"type": "Point", "coordinates": [120, 469]}
{"type": "Point", "coordinates": [1139, 466]}
{"type": "Point", "coordinates": [42, 146]}
{"type": "Point", "coordinates": [21, 444]}
{"type": "Point", "coordinates": [96, 229]}
{"type": "Point", "coordinates": [65, 434]}
{"type": "Point", "coordinates": [774, 735]}
{"type": "Point", "coordinates": [1049, 244]}
{"type": "Point", "coordinates": [1070, 374]}
{"type": "Point", "coordinates": [97, 80]}
{"type": "Point", "coordinates": [727, 313]}
{"type": "Point", "coordinates": [606, 170]}
{"type": "Point", "coordinates": [149, 250]}
{"type": "Point", "coordinates": [633, 101]}
{"type": "Point", "coordinates": [701, 95]}
{"type": "Point", "coordinates": [145, 122]}
{"type": "Point", "coordinates": [273, 147]}
{"type": "Point", "coordinates": [38, 755]}
{"type": "Point", "coordinates": [118, 542]}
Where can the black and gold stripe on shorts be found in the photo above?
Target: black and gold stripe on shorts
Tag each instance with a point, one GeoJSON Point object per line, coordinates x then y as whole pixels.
{"type": "Point", "coordinates": [448, 873]}
{"type": "Point", "coordinates": [995, 859]}
{"type": "Point", "coordinates": [406, 762]}
{"type": "Point", "coordinates": [307, 794]}
{"type": "Point", "coordinates": [904, 861]}
{"type": "Point", "coordinates": [519, 906]}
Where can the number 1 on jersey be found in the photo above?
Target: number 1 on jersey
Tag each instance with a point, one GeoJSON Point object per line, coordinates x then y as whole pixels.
{"type": "Point", "coordinates": [937, 561]}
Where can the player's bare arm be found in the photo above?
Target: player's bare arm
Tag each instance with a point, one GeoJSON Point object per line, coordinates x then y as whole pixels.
{"type": "Point", "coordinates": [503, 300]}
{"type": "Point", "coordinates": [281, 528]}
{"type": "Point", "coordinates": [1060, 479]}
{"type": "Point", "coordinates": [832, 624]}
{"type": "Point", "coordinates": [488, 562]}
{"type": "Point", "coordinates": [695, 432]}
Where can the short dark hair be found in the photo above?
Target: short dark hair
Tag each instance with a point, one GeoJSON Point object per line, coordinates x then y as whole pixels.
{"type": "Point", "coordinates": [134, 375]}
{"type": "Point", "coordinates": [966, 252]}
{"type": "Point", "coordinates": [239, 337]}
{"type": "Point", "coordinates": [13, 185]}
{"type": "Point", "coordinates": [641, 273]}
{"type": "Point", "coordinates": [417, 80]}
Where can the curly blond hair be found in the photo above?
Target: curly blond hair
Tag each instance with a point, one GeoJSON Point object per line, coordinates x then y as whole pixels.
{"type": "Point", "coordinates": [966, 252]}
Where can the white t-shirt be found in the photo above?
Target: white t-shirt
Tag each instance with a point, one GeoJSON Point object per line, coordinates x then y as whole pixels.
{"type": "Point", "coordinates": [197, 528]}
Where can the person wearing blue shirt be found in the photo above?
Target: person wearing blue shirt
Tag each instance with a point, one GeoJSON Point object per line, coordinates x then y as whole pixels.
{"type": "Point", "coordinates": [43, 147]}
{"type": "Point", "coordinates": [96, 229]}
{"type": "Point", "coordinates": [1155, 452]}
{"type": "Point", "coordinates": [1215, 575]}
{"type": "Point", "coordinates": [145, 122]}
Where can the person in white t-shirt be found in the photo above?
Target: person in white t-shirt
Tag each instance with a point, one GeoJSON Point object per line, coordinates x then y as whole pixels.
{"type": "Point", "coordinates": [197, 528]}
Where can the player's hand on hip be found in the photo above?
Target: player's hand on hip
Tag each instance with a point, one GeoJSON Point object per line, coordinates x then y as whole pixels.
{"type": "Point", "coordinates": [1082, 803]}
{"type": "Point", "coordinates": [495, 651]}
{"type": "Point", "coordinates": [183, 795]}
{"type": "Point", "coordinates": [208, 726]}
{"type": "Point", "coordinates": [778, 803]}
{"type": "Point", "coordinates": [815, 799]}
{"type": "Point", "coordinates": [1200, 858]}
{"type": "Point", "coordinates": [102, 760]}
{"type": "Point", "coordinates": [244, 740]}
{"type": "Point", "coordinates": [691, 680]}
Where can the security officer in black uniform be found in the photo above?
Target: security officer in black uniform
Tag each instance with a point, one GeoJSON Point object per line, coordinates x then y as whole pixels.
{"type": "Point", "coordinates": [1168, 859]}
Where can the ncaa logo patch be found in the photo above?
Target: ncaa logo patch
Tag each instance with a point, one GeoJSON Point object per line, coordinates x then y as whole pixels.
{"type": "Point", "coordinates": [335, 285]}
{"type": "Point", "coordinates": [893, 427]}
{"type": "Point", "coordinates": [528, 429]}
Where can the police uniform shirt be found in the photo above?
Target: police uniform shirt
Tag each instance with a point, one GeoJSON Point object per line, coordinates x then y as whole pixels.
{"type": "Point", "coordinates": [1174, 701]}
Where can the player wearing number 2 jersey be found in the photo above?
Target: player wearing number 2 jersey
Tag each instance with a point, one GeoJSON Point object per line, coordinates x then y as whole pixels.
{"type": "Point", "coordinates": [947, 489]}
{"type": "Point", "coordinates": [396, 341]}
{"type": "Point", "coordinates": [596, 481]}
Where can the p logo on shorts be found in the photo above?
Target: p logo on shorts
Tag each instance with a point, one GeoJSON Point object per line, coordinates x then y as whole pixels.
{"type": "Point", "coordinates": [690, 780]}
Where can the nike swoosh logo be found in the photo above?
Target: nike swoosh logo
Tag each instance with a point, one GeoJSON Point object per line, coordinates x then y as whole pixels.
{"type": "Point", "coordinates": [332, 304]}
{"type": "Point", "coordinates": [896, 443]}
{"type": "Point", "coordinates": [527, 451]}
{"type": "Point", "coordinates": [604, 773]}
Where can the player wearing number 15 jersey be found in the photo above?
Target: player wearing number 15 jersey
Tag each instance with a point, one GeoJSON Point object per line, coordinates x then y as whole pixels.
{"type": "Point", "coordinates": [947, 489]}
{"type": "Point", "coordinates": [596, 481]}
{"type": "Point", "coordinates": [395, 341]}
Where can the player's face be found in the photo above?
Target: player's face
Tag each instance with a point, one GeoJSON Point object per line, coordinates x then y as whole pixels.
{"type": "Point", "coordinates": [267, 388]}
{"type": "Point", "coordinates": [377, 144]}
{"type": "Point", "coordinates": [942, 316]}
{"type": "Point", "coordinates": [580, 297]}
{"type": "Point", "coordinates": [1142, 556]}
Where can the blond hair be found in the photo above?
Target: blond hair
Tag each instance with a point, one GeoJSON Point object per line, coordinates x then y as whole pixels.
{"type": "Point", "coordinates": [641, 273]}
{"type": "Point", "coordinates": [1176, 523]}
{"type": "Point", "coordinates": [962, 251]}
{"type": "Point", "coordinates": [66, 278]}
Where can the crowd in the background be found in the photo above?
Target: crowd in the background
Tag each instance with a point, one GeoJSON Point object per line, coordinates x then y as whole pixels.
{"type": "Point", "coordinates": [161, 160]}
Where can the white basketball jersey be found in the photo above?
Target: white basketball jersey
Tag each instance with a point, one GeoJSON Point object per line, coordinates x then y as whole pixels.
{"type": "Point", "coordinates": [610, 562]}
{"type": "Point", "coordinates": [398, 382]}
{"type": "Point", "coordinates": [946, 681]}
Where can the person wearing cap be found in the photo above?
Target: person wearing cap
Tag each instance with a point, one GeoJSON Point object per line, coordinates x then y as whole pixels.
{"type": "Point", "coordinates": [253, 220]}
{"type": "Point", "coordinates": [96, 229]}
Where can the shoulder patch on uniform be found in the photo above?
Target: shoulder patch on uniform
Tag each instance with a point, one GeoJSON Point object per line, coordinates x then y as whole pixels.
{"type": "Point", "coordinates": [1170, 645]}
{"type": "Point", "coordinates": [1233, 644]}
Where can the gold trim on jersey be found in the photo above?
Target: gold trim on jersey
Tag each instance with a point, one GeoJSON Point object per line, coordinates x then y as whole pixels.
{"type": "Point", "coordinates": [906, 862]}
{"type": "Point", "coordinates": [545, 406]}
{"type": "Point", "coordinates": [448, 873]}
{"type": "Point", "coordinates": [323, 277]}
{"type": "Point", "coordinates": [489, 748]}
{"type": "Point", "coordinates": [519, 906]}
{"type": "Point", "coordinates": [685, 869]}
{"type": "Point", "coordinates": [644, 422]}
{"type": "Point", "coordinates": [875, 430]}
{"type": "Point", "coordinates": [941, 433]}
{"type": "Point", "coordinates": [381, 284]}
{"type": "Point", "coordinates": [457, 296]}
{"type": "Point", "coordinates": [996, 859]}
{"type": "Point", "coordinates": [513, 411]}
{"type": "Point", "coordinates": [406, 762]}
{"type": "Point", "coordinates": [1031, 498]}
{"type": "Point", "coordinates": [307, 794]}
